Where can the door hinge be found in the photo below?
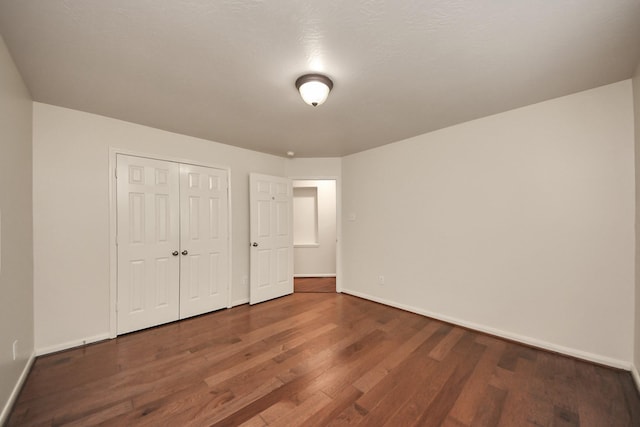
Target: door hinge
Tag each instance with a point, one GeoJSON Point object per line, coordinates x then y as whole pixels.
{"type": "Point", "coordinates": [115, 172]}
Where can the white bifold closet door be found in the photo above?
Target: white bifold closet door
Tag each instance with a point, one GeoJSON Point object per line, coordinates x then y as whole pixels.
{"type": "Point", "coordinates": [172, 228]}
{"type": "Point", "coordinates": [204, 266]}
{"type": "Point", "coordinates": [148, 198]}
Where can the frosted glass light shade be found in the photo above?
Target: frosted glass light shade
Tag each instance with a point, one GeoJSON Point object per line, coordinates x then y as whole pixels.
{"type": "Point", "coordinates": [314, 88]}
{"type": "Point", "coordinates": [314, 93]}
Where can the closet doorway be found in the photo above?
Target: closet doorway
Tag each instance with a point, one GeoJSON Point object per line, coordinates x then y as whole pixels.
{"type": "Point", "coordinates": [315, 235]}
{"type": "Point", "coordinates": [172, 241]}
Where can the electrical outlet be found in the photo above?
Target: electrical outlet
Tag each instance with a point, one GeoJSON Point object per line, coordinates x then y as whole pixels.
{"type": "Point", "coordinates": [380, 280]}
{"type": "Point", "coordinates": [15, 349]}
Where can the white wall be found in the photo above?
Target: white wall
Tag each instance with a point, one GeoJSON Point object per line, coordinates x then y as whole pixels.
{"type": "Point", "coordinates": [521, 224]}
{"type": "Point", "coordinates": [16, 225]}
{"type": "Point", "coordinates": [636, 110]}
{"type": "Point", "coordinates": [319, 260]}
{"type": "Point", "coordinates": [71, 214]}
{"type": "Point", "coordinates": [316, 168]}
{"type": "Point", "coordinates": [305, 214]}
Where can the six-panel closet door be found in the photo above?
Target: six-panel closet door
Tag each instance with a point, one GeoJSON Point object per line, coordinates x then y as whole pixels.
{"type": "Point", "coordinates": [172, 241]}
{"type": "Point", "coordinates": [203, 240]}
{"type": "Point", "coordinates": [271, 224]}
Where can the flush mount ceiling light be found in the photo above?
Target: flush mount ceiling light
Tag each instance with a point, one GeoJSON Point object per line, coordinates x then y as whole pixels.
{"type": "Point", "coordinates": [314, 88]}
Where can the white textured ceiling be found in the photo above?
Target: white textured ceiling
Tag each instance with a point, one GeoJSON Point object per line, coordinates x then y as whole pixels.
{"type": "Point", "coordinates": [224, 70]}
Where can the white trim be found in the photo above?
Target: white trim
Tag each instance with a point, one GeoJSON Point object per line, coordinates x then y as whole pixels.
{"type": "Point", "coordinates": [636, 376]}
{"type": "Point", "coordinates": [339, 274]}
{"type": "Point", "coordinates": [113, 249]}
{"type": "Point", "coordinates": [4, 415]}
{"type": "Point", "coordinates": [306, 245]}
{"type": "Point", "coordinates": [113, 218]}
{"type": "Point", "coordinates": [315, 275]}
{"type": "Point", "coordinates": [229, 239]}
{"type": "Point", "coordinates": [71, 344]}
{"type": "Point", "coordinates": [240, 302]}
{"type": "Point", "coordinates": [338, 181]}
{"type": "Point", "coordinates": [579, 354]}
{"type": "Point", "coordinates": [153, 156]}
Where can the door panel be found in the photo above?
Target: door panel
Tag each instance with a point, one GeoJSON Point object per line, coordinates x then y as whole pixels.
{"type": "Point", "coordinates": [148, 233]}
{"type": "Point", "coordinates": [204, 236]}
{"type": "Point", "coordinates": [271, 204]}
{"type": "Point", "coordinates": [165, 208]}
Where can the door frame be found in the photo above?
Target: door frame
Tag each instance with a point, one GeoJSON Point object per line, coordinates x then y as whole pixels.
{"type": "Point", "coordinates": [338, 219]}
{"type": "Point", "coordinates": [113, 219]}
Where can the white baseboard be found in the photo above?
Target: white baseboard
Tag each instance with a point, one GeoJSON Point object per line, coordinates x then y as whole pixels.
{"type": "Point", "coordinates": [4, 415]}
{"type": "Point", "coordinates": [72, 344]}
{"type": "Point", "coordinates": [636, 376]}
{"type": "Point", "coordinates": [579, 354]}
{"type": "Point", "coordinates": [316, 275]}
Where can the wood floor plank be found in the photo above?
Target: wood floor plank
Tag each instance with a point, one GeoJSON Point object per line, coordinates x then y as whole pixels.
{"type": "Point", "coordinates": [96, 417]}
{"type": "Point", "coordinates": [490, 409]}
{"type": "Point", "coordinates": [329, 412]}
{"type": "Point", "coordinates": [414, 376]}
{"type": "Point", "coordinates": [411, 376]}
{"type": "Point", "coordinates": [630, 394]}
{"type": "Point", "coordinates": [201, 409]}
{"type": "Point", "coordinates": [440, 351]}
{"type": "Point", "coordinates": [254, 358]}
{"type": "Point", "coordinates": [404, 374]}
{"type": "Point", "coordinates": [94, 396]}
{"type": "Point", "coordinates": [306, 410]}
{"type": "Point", "coordinates": [428, 407]}
{"type": "Point", "coordinates": [384, 367]}
{"type": "Point", "coordinates": [319, 359]}
{"type": "Point", "coordinates": [256, 421]}
{"type": "Point", "coordinates": [351, 416]}
{"type": "Point", "coordinates": [314, 284]}
{"type": "Point", "coordinates": [256, 406]}
{"type": "Point", "coordinates": [273, 412]}
{"type": "Point", "coordinates": [452, 422]}
{"type": "Point", "coordinates": [519, 408]}
{"type": "Point", "coordinates": [337, 368]}
{"type": "Point", "coordinates": [468, 404]}
{"type": "Point", "coordinates": [289, 364]}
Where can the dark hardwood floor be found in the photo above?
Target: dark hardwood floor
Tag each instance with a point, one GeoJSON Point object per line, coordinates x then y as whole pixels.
{"type": "Point", "coordinates": [314, 284]}
{"type": "Point", "coordinates": [318, 359]}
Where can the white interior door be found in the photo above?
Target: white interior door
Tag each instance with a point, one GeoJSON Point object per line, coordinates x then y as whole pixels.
{"type": "Point", "coordinates": [148, 242]}
{"type": "Point", "coordinates": [204, 272]}
{"type": "Point", "coordinates": [271, 214]}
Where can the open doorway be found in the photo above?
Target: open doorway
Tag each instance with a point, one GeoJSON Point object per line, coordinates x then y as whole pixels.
{"type": "Point", "coordinates": [314, 235]}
